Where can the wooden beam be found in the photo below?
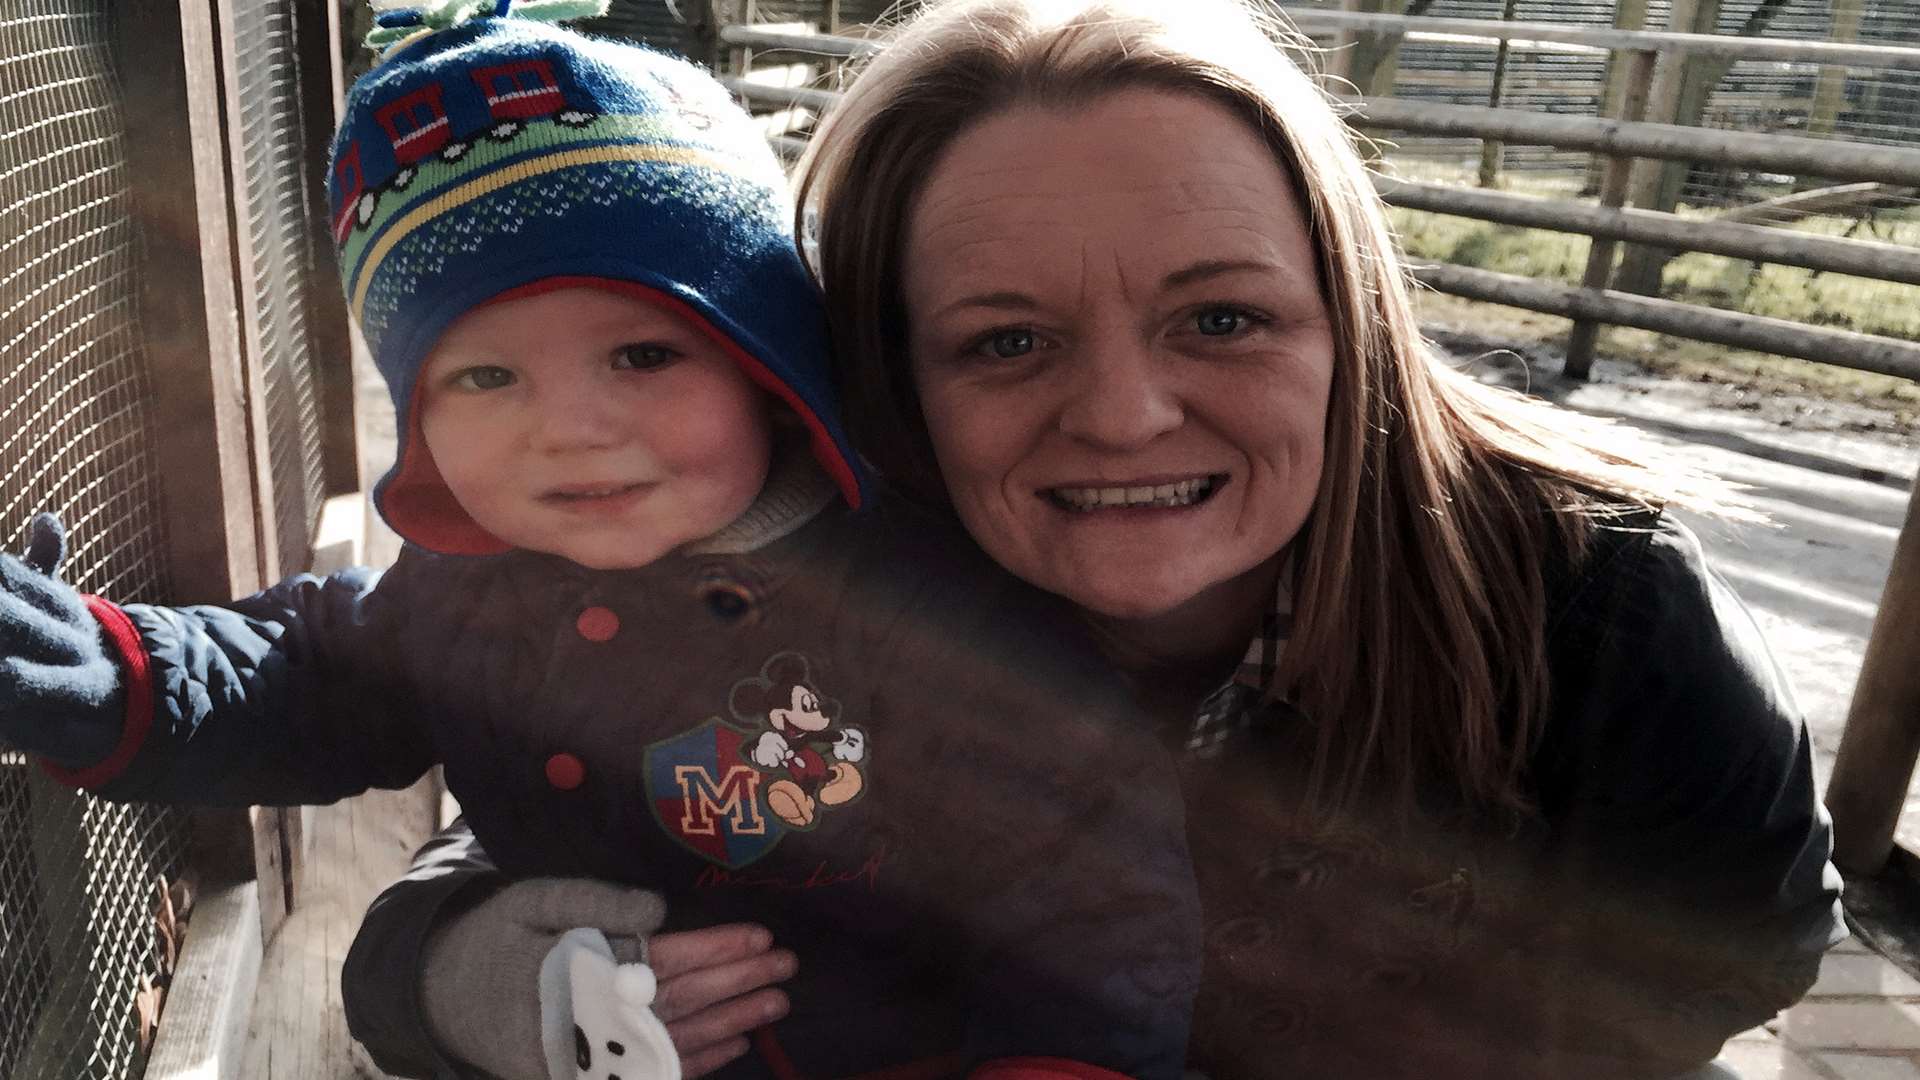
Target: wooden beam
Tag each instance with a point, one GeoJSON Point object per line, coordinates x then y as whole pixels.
{"type": "Point", "coordinates": [1881, 741]}
{"type": "Point", "coordinates": [204, 1029]}
{"type": "Point", "coordinates": [1829, 91]}
{"type": "Point", "coordinates": [1614, 183]}
{"type": "Point", "coordinates": [317, 41]}
{"type": "Point", "coordinates": [1627, 15]}
{"type": "Point", "coordinates": [1894, 57]}
{"type": "Point", "coordinates": [1681, 85]}
{"type": "Point", "coordinates": [1755, 243]}
{"type": "Point", "coordinates": [1841, 199]}
{"type": "Point", "coordinates": [246, 265]}
{"type": "Point", "coordinates": [1773, 153]}
{"type": "Point", "coordinates": [1491, 149]}
{"type": "Point", "coordinates": [163, 50]}
{"type": "Point", "coordinates": [1843, 348]}
{"type": "Point", "coordinates": [819, 44]}
{"type": "Point", "coordinates": [821, 100]}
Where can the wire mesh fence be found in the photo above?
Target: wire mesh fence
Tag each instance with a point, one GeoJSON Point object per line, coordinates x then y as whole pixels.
{"type": "Point", "coordinates": [85, 935]}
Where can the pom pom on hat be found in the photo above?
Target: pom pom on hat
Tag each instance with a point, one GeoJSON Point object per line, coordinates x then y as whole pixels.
{"type": "Point", "coordinates": [396, 21]}
{"type": "Point", "coordinates": [503, 152]}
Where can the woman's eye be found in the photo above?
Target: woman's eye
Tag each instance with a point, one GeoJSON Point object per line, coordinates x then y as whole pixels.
{"type": "Point", "coordinates": [1221, 321]}
{"type": "Point", "coordinates": [485, 377]}
{"type": "Point", "coordinates": [1006, 344]}
{"type": "Point", "coordinates": [643, 357]}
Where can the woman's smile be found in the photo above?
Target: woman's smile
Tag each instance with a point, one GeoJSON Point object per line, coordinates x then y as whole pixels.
{"type": "Point", "coordinates": [1134, 495]}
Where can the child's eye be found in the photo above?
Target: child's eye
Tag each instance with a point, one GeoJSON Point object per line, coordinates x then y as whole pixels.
{"type": "Point", "coordinates": [484, 377]}
{"type": "Point", "coordinates": [644, 356]}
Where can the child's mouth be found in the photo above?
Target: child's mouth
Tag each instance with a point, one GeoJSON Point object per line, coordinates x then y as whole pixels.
{"type": "Point", "coordinates": [584, 496]}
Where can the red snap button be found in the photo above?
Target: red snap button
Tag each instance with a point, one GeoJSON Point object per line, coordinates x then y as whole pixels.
{"type": "Point", "coordinates": [597, 624]}
{"type": "Point", "coordinates": [564, 771]}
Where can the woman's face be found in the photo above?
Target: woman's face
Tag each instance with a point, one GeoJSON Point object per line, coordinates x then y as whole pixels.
{"type": "Point", "coordinates": [1122, 350]}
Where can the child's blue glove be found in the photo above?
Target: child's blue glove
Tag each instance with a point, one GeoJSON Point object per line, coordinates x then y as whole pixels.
{"type": "Point", "coordinates": [60, 693]}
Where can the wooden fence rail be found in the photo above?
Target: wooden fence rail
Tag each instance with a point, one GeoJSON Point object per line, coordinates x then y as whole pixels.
{"type": "Point", "coordinates": [1726, 47]}
{"type": "Point", "coordinates": [1794, 155]}
{"type": "Point", "coordinates": [1862, 352]}
{"type": "Point", "coordinates": [1896, 57]}
{"type": "Point", "coordinates": [1756, 243]}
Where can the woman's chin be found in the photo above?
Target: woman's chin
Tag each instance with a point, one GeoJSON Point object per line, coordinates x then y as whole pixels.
{"type": "Point", "coordinates": [1129, 600]}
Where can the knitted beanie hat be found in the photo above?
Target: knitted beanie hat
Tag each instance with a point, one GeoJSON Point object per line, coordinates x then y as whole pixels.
{"type": "Point", "coordinates": [503, 153]}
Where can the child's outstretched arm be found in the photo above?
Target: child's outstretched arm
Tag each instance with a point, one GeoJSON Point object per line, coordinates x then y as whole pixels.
{"type": "Point", "coordinates": [284, 697]}
{"type": "Point", "coordinates": [61, 695]}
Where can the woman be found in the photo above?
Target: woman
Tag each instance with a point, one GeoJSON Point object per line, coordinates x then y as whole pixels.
{"type": "Point", "coordinates": [1486, 773]}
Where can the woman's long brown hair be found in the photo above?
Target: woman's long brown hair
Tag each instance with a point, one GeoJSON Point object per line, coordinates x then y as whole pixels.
{"type": "Point", "coordinates": [1419, 636]}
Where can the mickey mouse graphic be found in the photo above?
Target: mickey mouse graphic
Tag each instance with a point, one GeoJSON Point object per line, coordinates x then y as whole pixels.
{"type": "Point", "coordinates": [802, 731]}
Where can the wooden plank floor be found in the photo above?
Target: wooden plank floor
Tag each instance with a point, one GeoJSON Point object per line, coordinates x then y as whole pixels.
{"type": "Point", "coordinates": [298, 1031]}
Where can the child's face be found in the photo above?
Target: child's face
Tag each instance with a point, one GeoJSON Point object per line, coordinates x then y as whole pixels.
{"type": "Point", "coordinates": [592, 425]}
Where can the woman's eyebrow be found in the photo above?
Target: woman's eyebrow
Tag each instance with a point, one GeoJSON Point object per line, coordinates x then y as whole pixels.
{"type": "Point", "coordinates": [1212, 268]}
{"type": "Point", "coordinates": [1004, 301]}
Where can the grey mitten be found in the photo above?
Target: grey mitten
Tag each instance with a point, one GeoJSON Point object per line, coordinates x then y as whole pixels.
{"type": "Point", "coordinates": [480, 973]}
{"type": "Point", "coordinates": [60, 692]}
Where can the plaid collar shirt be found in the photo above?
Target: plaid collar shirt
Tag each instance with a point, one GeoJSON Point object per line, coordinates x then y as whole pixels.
{"type": "Point", "coordinates": [1248, 698]}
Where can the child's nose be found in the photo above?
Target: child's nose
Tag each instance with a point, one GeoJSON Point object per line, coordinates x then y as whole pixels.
{"type": "Point", "coordinates": [577, 415]}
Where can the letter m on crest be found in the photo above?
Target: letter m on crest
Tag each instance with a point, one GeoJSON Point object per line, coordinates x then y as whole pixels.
{"type": "Point", "coordinates": [732, 798]}
{"type": "Point", "coordinates": [705, 794]}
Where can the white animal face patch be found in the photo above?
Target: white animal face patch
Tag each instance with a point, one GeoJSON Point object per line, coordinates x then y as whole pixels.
{"type": "Point", "coordinates": [615, 1034]}
{"type": "Point", "coordinates": [598, 1021]}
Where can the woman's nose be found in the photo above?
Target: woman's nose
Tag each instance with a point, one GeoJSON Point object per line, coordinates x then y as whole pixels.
{"type": "Point", "coordinates": [1120, 398]}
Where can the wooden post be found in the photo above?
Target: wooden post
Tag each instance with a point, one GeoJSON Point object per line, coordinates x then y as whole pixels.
{"type": "Point", "coordinates": [742, 13]}
{"type": "Point", "coordinates": [1830, 90]}
{"type": "Point", "coordinates": [1881, 741]}
{"type": "Point", "coordinates": [1663, 107]}
{"type": "Point", "coordinates": [1613, 193]}
{"type": "Point", "coordinates": [1370, 60]}
{"type": "Point", "coordinates": [1490, 149]}
{"type": "Point", "coordinates": [277, 829]}
{"type": "Point", "coordinates": [1627, 15]}
{"type": "Point", "coordinates": [188, 297]}
{"type": "Point", "coordinates": [322, 83]}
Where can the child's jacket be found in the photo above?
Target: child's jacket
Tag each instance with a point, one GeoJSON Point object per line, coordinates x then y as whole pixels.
{"type": "Point", "coordinates": [860, 734]}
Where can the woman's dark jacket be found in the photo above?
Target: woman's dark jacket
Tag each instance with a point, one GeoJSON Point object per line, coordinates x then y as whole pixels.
{"type": "Point", "coordinates": [1672, 889]}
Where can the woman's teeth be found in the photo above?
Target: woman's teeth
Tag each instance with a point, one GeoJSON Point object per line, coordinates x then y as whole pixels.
{"type": "Point", "coordinates": [1183, 493]}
